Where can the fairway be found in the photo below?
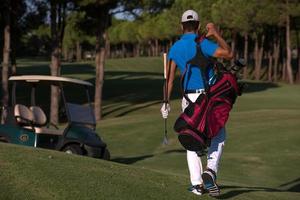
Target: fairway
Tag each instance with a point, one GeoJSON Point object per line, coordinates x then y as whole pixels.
{"type": "Point", "coordinates": [261, 157]}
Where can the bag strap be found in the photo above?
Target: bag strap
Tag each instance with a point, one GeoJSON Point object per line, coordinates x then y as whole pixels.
{"type": "Point", "coordinates": [202, 62]}
{"type": "Point", "coordinates": [182, 84]}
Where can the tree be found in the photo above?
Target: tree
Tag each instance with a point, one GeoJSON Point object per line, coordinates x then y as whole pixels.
{"type": "Point", "coordinates": [99, 19]}
{"type": "Point", "coordinates": [18, 11]}
{"type": "Point", "coordinates": [98, 16]}
{"type": "Point", "coordinates": [236, 16]}
{"type": "Point", "coordinates": [57, 16]}
{"type": "Point", "coordinates": [297, 28]}
{"type": "Point", "coordinates": [288, 46]}
{"type": "Point", "coordinates": [125, 32]}
{"type": "Point", "coordinates": [146, 32]}
{"type": "Point", "coordinates": [74, 36]}
{"type": "Point", "coordinates": [290, 9]}
{"type": "Point", "coordinates": [34, 31]}
{"type": "Point", "coordinates": [5, 64]}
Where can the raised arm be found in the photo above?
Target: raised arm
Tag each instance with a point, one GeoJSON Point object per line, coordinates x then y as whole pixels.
{"type": "Point", "coordinates": [224, 50]}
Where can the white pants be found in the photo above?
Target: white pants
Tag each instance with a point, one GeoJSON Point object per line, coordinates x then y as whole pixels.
{"type": "Point", "coordinates": [213, 155]}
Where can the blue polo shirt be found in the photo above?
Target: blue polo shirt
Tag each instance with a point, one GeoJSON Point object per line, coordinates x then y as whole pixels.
{"type": "Point", "coordinates": [185, 49]}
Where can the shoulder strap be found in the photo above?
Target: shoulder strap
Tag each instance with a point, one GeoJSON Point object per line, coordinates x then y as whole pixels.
{"type": "Point", "coordinates": [199, 39]}
{"type": "Point", "coordinates": [202, 62]}
{"type": "Point", "coordinates": [182, 84]}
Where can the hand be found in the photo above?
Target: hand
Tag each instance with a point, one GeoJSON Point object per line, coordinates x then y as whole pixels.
{"type": "Point", "coordinates": [211, 30]}
{"type": "Point", "coordinates": [165, 109]}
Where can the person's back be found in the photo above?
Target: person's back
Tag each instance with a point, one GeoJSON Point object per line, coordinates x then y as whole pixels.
{"type": "Point", "coordinates": [184, 50]}
{"type": "Point", "coordinates": [180, 53]}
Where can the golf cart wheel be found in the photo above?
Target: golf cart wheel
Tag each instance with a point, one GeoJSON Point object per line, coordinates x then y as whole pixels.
{"type": "Point", "coordinates": [106, 155]}
{"type": "Point", "coordinates": [73, 149]}
{"type": "Point", "coordinates": [2, 139]}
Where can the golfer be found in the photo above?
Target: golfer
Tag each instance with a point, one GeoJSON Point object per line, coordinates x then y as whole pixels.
{"type": "Point", "coordinates": [180, 53]}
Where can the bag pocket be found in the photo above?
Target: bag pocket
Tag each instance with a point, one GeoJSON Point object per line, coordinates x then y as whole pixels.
{"type": "Point", "coordinates": [217, 117]}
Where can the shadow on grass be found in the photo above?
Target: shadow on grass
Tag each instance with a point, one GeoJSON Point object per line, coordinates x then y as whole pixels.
{"type": "Point", "coordinates": [131, 160]}
{"type": "Point", "coordinates": [258, 86]}
{"type": "Point", "coordinates": [292, 186]}
{"type": "Point", "coordinates": [138, 108]}
{"type": "Point", "coordinates": [127, 87]}
{"type": "Point", "coordinates": [138, 90]}
{"type": "Point", "coordinates": [135, 87]}
{"type": "Point", "coordinates": [67, 68]}
{"type": "Point", "coordinates": [142, 87]}
{"type": "Point", "coordinates": [175, 151]}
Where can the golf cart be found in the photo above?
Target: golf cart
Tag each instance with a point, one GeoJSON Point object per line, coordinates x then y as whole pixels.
{"type": "Point", "coordinates": [27, 124]}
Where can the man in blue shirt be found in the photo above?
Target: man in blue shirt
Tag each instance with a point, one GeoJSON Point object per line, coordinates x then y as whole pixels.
{"type": "Point", "coordinates": [180, 53]}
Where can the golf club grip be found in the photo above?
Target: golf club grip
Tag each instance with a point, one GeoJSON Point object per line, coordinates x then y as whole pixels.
{"type": "Point", "coordinates": [165, 77]}
{"type": "Point", "coordinates": [165, 65]}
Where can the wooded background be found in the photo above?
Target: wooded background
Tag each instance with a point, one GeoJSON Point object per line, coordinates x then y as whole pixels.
{"type": "Point", "coordinates": [264, 32]}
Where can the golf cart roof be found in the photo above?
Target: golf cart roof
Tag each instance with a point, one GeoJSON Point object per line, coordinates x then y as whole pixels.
{"type": "Point", "coordinates": [38, 78]}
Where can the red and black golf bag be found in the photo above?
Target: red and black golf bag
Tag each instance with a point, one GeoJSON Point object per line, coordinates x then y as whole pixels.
{"type": "Point", "coordinates": [203, 119]}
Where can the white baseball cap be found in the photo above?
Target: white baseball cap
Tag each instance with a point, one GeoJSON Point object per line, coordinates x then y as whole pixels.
{"type": "Point", "coordinates": [189, 15]}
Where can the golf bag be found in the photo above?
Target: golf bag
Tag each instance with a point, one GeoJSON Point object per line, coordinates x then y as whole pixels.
{"type": "Point", "coordinates": [203, 119]}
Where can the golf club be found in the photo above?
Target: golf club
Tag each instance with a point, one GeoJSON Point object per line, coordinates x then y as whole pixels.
{"type": "Point", "coordinates": [165, 140]}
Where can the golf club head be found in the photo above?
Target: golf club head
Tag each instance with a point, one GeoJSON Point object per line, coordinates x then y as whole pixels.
{"type": "Point", "coordinates": [165, 140]}
{"type": "Point", "coordinates": [240, 63]}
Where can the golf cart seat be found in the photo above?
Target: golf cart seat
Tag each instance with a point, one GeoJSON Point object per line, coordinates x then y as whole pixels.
{"type": "Point", "coordinates": [23, 115]}
{"type": "Point", "coordinates": [40, 121]}
{"type": "Point", "coordinates": [39, 117]}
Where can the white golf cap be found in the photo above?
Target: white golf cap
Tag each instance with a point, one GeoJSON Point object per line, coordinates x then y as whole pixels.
{"type": "Point", "coordinates": [189, 15]}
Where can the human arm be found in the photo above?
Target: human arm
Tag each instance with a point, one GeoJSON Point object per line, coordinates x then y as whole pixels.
{"type": "Point", "coordinates": [224, 50]}
{"type": "Point", "coordinates": [171, 69]}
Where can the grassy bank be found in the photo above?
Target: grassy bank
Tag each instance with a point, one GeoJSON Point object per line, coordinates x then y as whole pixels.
{"type": "Point", "coordinates": [260, 161]}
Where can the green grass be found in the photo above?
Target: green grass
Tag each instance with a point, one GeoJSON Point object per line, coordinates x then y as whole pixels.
{"type": "Point", "coordinates": [261, 157]}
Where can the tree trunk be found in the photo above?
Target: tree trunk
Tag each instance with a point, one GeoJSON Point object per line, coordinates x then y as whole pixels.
{"type": "Point", "coordinates": [283, 75]}
{"type": "Point", "coordinates": [288, 49]}
{"type": "Point", "coordinates": [233, 46]}
{"type": "Point", "coordinates": [100, 60]}
{"type": "Point", "coordinates": [13, 66]}
{"type": "Point", "coordinates": [55, 71]}
{"type": "Point", "coordinates": [57, 12]}
{"type": "Point", "coordinates": [276, 51]}
{"type": "Point", "coordinates": [66, 54]}
{"type": "Point", "coordinates": [245, 71]}
{"type": "Point", "coordinates": [5, 63]}
{"type": "Point", "coordinates": [169, 45]}
{"type": "Point", "coordinates": [149, 48]}
{"type": "Point", "coordinates": [261, 54]}
{"type": "Point", "coordinates": [78, 51]}
{"type": "Point", "coordinates": [156, 47]}
{"type": "Point", "coordinates": [298, 79]}
{"type": "Point", "coordinates": [123, 50]}
{"type": "Point", "coordinates": [259, 59]}
{"type": "Point", "coordinates": [270, 66]}
{"type": "Point", "coordinates": [54, 66]}
{"type": "Point", "coordinates": [13, 35]}
{"type": "Point", "coordinates": [13, 56]}
{"type": "Point", "coordinates": [107, 47]}
{"type": "Point", "coordinates": [6, 49]}
{"type": "Point", "coordinates": [255, 55]}
{"type": "Point", "coordinates": [137, 51]}
{"type": "Point", "coordinates": [152, 47]}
